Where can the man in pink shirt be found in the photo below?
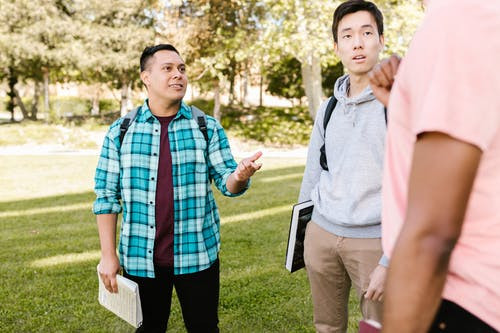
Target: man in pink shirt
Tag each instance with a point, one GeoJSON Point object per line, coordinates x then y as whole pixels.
{"type": "Point", "coordinates": [441, 189]}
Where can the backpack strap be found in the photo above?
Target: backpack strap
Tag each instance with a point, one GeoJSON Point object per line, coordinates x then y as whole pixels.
{"type": "Point", "coordinates": [201, 119]}
{"type": "Point", "coordinates": [328, 113]}
{"type": "Point", "coordinates": [127, 120]}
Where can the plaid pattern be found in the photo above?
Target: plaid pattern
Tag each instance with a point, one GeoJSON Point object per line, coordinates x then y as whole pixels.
{"type": "Point", "coordinates": [130, 175]}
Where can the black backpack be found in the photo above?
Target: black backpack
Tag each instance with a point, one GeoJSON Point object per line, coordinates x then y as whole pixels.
{"type": "Point", "coordinates": [328, 113]}
{"type": "Point", "coordinates": [199, 115]}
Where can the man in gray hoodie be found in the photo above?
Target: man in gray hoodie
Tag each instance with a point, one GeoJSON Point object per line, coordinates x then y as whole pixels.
{"type": "Point", "coordinates": [342, 242]}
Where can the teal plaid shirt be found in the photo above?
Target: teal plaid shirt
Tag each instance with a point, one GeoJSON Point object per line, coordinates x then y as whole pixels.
{"type": "Point", "coordinates": [127, 177]}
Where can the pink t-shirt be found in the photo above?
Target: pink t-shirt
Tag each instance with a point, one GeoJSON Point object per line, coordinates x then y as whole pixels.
{"type": "Point", "coordinates": [450, 82]}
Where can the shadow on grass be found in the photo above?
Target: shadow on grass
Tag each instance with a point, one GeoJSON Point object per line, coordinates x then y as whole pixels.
{"type": "Point", "coordinates": [49, 201]}
{"type": "Point", "coordinates": [257, 293]}
{"type": "Point", "coordinates": [265, 184]}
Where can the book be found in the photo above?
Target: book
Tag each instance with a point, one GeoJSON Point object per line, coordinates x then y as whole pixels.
{"type": "Point", "coordinates": [369, 326]}
{"type": "Point", "coordinates": [301, 215]}
{"type": "Point", "coordinates": [126, 304]}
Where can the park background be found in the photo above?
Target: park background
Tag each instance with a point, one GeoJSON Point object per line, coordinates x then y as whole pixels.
{"type": "Point", "coordinates": [68, 68]}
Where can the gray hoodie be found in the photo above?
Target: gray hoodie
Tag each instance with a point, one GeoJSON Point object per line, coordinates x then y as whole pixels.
{"type": "Point", "coordinates": [347, 198]}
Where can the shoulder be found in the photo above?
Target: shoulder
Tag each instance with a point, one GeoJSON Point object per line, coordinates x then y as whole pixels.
{"type": "Point", "coordinates": [114, 129]}
{"type": "Point", "coordinates": [212, 123]}
{"type": "Point", "coordinates": [322, 108]}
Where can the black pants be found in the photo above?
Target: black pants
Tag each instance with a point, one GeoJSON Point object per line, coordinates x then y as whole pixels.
{"type": "Point", "coordinates": [453, 318]}
{"type": "Point", "coordinates": [198, 295]}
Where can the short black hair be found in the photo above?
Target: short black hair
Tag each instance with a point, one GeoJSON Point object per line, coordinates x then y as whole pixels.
{"type": "Point", "coordinates": [353, 6]}
{"type": "Point", "coordinates": [149, 52]}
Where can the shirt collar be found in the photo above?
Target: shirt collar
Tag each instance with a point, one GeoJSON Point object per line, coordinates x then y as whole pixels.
{"type": "Point", "coordinates": [145, 113]}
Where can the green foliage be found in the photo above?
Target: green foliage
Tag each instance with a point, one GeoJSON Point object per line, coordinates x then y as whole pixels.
{"type": "Point", "coordinates": [285, 79]}
{"type": "Point", "coordinates": [70, 106]}
{"type": "Point", "coordinates": [271, 125]}
{"type": "Point", "coordinates": [330, 74]}
{"type": "Point", "coordinates": [45, 213]}
{"type": "Point", "coordinates": [109, 106]}
{"type": "Point", "coordinates": [206, 105]}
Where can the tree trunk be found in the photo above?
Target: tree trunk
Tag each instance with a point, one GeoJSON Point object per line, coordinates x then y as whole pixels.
{"type": "Point", "coordinates": [95, 101]}
{"type": "Point", "coordinates": [311, 77]}
{"type": "Point", "coordinates": [36, 99]}
{"type": "Point", "coordinates": [11, 93]}
{"type": "Point", "coordinates": [46, 102]}
{"type": "Point", "coordinates": [232, 79]}
{"type": "Point", "coordinates": [245, 86]}
{"type": "Point", "coordinates": [217, 100]}
{"type": "Point", "coordinates": [125, 96]}
{"type": "Point", "coordinates": [20, 103]}
{"type": "Point", "coordinates": [261, 87]}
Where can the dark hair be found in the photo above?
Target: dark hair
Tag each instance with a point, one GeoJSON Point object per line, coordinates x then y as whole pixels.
{"type": "Point", "coordinates": [149, 52]}
{"type": "Point", "coordinates": [353, 6]}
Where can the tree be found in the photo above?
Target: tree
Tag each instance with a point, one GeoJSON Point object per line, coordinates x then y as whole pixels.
{"type": "Point", "coordinates": [285, 79]}
{"type": "Point", "coordinates": [114, 34]}
{"type": "Point", "coordinates": [216, 37]}
{"type": "Point", "coordinates": [301, 29]}
{"type": "Point", "coordinates": [36, 37]}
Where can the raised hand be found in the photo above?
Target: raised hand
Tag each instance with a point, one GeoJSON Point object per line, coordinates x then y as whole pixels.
{"type": "Point", "coordinates": [382, 77]}
{"type": "Point", "coordinates": [247, 167]}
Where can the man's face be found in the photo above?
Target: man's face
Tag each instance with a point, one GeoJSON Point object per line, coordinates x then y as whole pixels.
{"type": "Point", "coordinates": [359, 43]}
{"type": "Point", "coordinates": [165, 76]}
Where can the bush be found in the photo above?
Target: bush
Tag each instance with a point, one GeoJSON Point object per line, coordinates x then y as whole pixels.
{"type": "Point", "coordinates": [281, 126]}
{"type": "Point", "coordinates": [270, 125]}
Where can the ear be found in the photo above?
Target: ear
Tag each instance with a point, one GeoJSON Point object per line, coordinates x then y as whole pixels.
{"type": "Point", "coordinates": [336, 48]}
{"type": "Point", "coordinates": [145, 77]}
{"type": "Point", "coordinates": [382, 42]}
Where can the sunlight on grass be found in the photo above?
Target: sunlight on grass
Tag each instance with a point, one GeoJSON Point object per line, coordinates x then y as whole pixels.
{"type": "Point", "coordinates": [70, 258]}
{"type": "Point", "coordinates": [45, 210]}
{"type": "Point", "coordinates": [281, 178]}
{"type": "Point", "coordinates": [26, 177]}
{"type": "Point", "coordinates": [255, 215]}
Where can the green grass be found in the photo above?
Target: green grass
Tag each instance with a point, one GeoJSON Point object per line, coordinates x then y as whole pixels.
{"type": "Point", "coordinates": [36, 133]}
{"type": "Point", "coordinates": [45, 218]}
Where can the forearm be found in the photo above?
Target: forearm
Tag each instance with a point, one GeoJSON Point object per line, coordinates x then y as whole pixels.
{"type": "Point", "coordinates": [441, 179]}
{"type": "Point", "coordinates": [235, 186]}
{"type": "Point", "coordinates": [106, 224]}
{"type": "Point", "coordinates": [417, 274]}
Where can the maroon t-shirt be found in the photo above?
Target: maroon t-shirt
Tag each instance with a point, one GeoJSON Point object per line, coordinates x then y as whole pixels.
{"type": "Point", "coordinates": [164, 238]}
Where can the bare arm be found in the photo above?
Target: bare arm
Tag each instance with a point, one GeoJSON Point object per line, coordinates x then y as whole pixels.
{"type": "Point", "coordinates": [237, 181]}
{"type": "Point", "coordinates": [109, 265]}
{"type": "Point", "coordinates": [441, 180]}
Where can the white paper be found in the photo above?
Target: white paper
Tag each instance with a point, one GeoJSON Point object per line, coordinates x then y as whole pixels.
{"type": "Point", "coordinates": [126, 304]}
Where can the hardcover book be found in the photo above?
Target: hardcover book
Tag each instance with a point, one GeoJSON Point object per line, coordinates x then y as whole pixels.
{"type": "Point", "coordinates": [301, 215]}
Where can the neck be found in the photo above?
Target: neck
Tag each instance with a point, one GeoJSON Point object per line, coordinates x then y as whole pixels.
{"type": "Point", "coordinates": [162, 108]}
{"type": "Point", "coordinates": [358, 83]}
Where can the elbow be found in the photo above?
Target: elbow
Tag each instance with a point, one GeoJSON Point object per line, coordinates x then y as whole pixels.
{"type": "Point", "coordinates": [438, 245]}
{"type": "Point", "coordinates": [437, 239]}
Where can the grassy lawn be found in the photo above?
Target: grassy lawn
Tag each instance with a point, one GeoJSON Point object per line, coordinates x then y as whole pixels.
{"type": "Point", "coordinates": [49, 251]}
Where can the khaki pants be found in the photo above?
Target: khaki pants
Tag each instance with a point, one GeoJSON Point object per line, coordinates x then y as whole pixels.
{"type": "Point", "coordinates": [332, 264]}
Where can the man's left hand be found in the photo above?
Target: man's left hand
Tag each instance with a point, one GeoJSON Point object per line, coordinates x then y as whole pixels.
{"type": "Point", "coordinates": [247, 167]}
{"type": "Point", "coordinates": [375, 291]}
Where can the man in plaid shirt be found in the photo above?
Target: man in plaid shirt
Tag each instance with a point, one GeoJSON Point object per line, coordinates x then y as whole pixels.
{"type": "Point", "coordinates": [160, 176]}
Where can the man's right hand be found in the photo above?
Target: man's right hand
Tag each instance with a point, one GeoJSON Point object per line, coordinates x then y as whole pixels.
{"type": "Point", "coordinates": [108, 268]}
{"type": "Point", "coordinates": [382, 77]}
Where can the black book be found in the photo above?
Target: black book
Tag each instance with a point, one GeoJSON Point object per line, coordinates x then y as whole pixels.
{"type": "Point", "coordinates": [301, 215]}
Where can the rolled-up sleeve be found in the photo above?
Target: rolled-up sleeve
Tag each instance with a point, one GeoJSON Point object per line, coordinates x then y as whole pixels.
{"type": "Point", "coordinates": [107, 179]}
{"type": "Point", "coordinates": [221, 160]}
